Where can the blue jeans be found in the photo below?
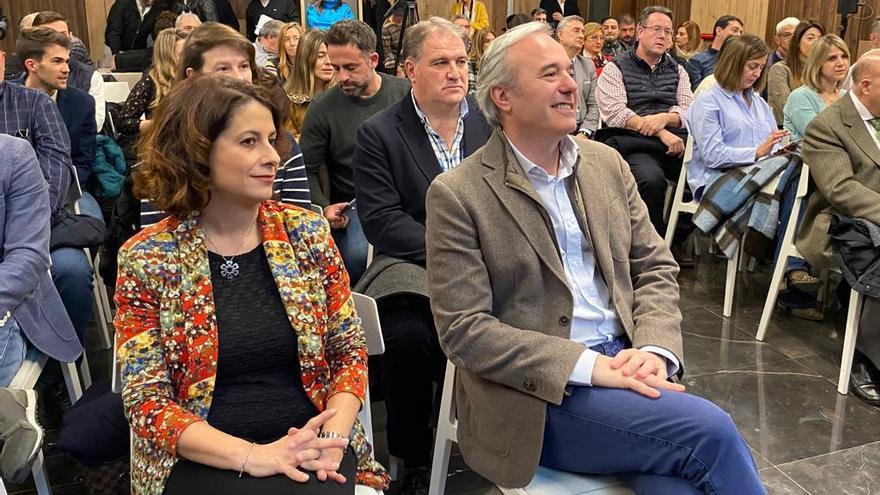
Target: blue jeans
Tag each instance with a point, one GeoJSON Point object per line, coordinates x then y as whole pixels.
{"type": "Point", "coordinates": [675, 445]}
{"type": "Point", "coordinates": [13, 348]}
{"type": "Point", "coordinates": [73, 275]}
{"type": "Point", "coordinates": [353, 246]}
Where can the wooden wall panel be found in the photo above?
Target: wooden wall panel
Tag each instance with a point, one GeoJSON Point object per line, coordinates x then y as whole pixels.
{"type": "Point", "coordinates": [752, 12]}
{"type": "Point", "coordinates": [74, 10]}
{"type": "Point", "coordinates": [681, 9]}
{"type": "Point", "coordinates": [824, 12]}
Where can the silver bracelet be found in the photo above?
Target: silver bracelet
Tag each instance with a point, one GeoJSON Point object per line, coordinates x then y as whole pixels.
{"type": "Point", "coordinates": [332, 434]}
{"type": "Point", "coordinates": [244, 462]}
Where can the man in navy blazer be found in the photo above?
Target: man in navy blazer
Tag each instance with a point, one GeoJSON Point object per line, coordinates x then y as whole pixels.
{"type": "Point", "coordinates": [30, 309]}
{"type": "Point", "coordinates": [399, 151]}
{"type": "Point", "coordinates": [46, 56]}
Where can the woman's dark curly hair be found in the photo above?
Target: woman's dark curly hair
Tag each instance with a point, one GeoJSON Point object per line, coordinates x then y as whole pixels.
{"type": "Point", "coordinates": [174, 173]}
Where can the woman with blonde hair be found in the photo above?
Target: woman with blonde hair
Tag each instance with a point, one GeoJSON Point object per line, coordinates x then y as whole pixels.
{"type": "Point", "coordinates": [311, 73]}
{"type": "Point", "coordinates": [787, 75]}
{"type": "Point", "coordinates": [480, 43]}
{"type": "Point", "coordinates": [149, 91]}
{"type": "Point", "coordinates": [824, 72]}
{"type": "Point", "coordinates": [288, 39]}
{"type": "Point", "coordinates": [687, 39]}
{"type": "Point", "coordinates": [594, 39]}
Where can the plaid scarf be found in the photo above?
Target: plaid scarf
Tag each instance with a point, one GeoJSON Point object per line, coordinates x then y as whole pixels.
{"type": "Point", "coordinates": [745, 197]}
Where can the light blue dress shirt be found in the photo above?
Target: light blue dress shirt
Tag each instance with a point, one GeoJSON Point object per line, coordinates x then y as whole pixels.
{"type": "Point", "coordinates": [593, 319]}
{"type": "Point", "coordinates": [726, 133]}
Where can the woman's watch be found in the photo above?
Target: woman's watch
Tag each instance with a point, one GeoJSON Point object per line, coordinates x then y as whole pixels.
{"type": "Point", "coordinates": [332, 434]}
{"type": "Point", "coordinates": [586, 133]}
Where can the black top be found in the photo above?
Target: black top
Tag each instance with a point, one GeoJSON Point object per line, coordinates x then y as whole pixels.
{"type": "Point", "coordinates": [258, 393]}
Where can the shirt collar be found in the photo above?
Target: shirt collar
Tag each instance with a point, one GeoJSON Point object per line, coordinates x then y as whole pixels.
{"type": "Point", "coordinates": [462, 109]}
{"type": "Point", "coordinates": [864, 113]}
{"type": "Point", "coordinates": [568, 157]}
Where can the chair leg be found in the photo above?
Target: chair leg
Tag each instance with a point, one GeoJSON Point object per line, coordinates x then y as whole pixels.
{"type": "Point", "coordinates": [41, 477]}
{"type": "Point", "coordinates": [772, 295]}
{"type": "Point", "coordinates": [393, 467]}
{"type": "Point", "coordinates": [851, 334]}
{"type": "Point", "coordinates": [71, 378]}
{"type": "Point", "coordinates": [85, 373]}
{"type": "Point", "coordinates": [671, 224]}
{"type": "Point", "coordinates": [730, 284]}
{"type": "Point", "coordinates": [440, 466]}
{"type": "Point", "coordinates": [100, 317]}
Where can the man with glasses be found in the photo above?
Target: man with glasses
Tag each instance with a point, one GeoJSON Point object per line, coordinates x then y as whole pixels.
{"type": "Point", "coordinates": [570, 34]}
{"type": "Point", "coordinates": [784, 32]}
{"type": "Point", "coordinates": [642, 96]}
{"type": "Point", "coordinates": [702, 64]}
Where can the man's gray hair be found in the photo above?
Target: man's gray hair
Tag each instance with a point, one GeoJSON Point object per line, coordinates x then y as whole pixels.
{"type": "Point", "coordinates": [415, 36]}
{"type": "Point", "coordinates": [788, 22]}
{"type": "Point", "coordinates": [271, 29]}
{"type": "Point", "coordinates": [875, 27]}
{"type": "Point", "coordinates": [181, 17]}
{"type": "Point", "coordinates": [568, 20]}
{"type": "Point", "coordinates": [496, 70]}
{"type": "Point", "coordinates": [461, 16]}
{"type": "Point", "coordinates": [653, 9]}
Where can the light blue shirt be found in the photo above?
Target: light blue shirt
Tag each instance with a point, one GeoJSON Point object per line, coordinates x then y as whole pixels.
{"type": "Point", "coordinates": [726, 133]}
{"type": "Point", "coordinates": [593, 319]}
{"type": "Point", "coordinates": [802, 106]}
{"type": "Point", "coordinates": [329, 16]}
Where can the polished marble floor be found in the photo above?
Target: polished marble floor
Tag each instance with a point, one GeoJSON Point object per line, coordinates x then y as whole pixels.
{"type": "Point", "coordinates": [806, 438]}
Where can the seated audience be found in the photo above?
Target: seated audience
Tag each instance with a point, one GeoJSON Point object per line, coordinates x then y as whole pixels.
{"type": "Point", "coordinates": [321, 14]}
{"type": "Point", "coordinates": [312, 74]}
{"type": "Point", "coordinates": [841, 149]}
{"type": "Point", "coordinates": [611, 46]}
{"type": "Point", "coordinates": [129, 23]}
{"type": "Point", "coordinates": [702, 64]}
{"type": "Point", "coordinates": [82, 76]}
{"type": "Point", "coordinates": [627, 32]}
{"type": "Point", "coordinates": [391, 37]}
{"type": "Point", "coordinates": [400, 150]}
{"type": "Point", "coordinates": [539, 15]}
{"type": "Point", "coordinates": [593, 44]}
{"type": "Point", "coordinates": [474, 10]}
{"type": "Point", "coordinates": [45, 54]}
{"type": "Point", "coordinates": [558, 9]}
{"type": "Point", "coordinates": [687, 40]}
{"type": "Point", "coordinates": [266, 46]}
{"type": "Point", "coordinates": [330, 129]}
{"type": "Point", "coordinates": [188, 21]}
{"type": "Point", "coordinates": [650, 106]}
{"type": "Point", "coordinates": [785, 76]}
{"type": "Point", "coordinates": [252, 408]}
{"type": "Point", "coordinates": [137, 111]}
{"type": "Point", "coordinates": [283, 10]}
{"type": "Point", "coordinates": [524, 306]}
{"type": "Point", "coordinates": [784, 31]}
{"type": "Point", "coordinates": [482, 39]}
{"type": "Point", "coordinates": [31, 313]}
{"type": "Point", "coordinates": [570, 34]}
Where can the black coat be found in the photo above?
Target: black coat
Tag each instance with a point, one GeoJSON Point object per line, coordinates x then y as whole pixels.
{"type": "Point", "coordinates": [551, 6]}
{"type": "Point", "coordinates": [394, 163]}
{"type": "Point", "coordinates": [125, 28]}
{"type": "Point", "coordinates": [856, 244]}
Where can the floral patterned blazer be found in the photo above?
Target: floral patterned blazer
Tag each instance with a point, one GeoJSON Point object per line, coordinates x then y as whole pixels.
{"type": "Point", "coordinates": [166, 331]}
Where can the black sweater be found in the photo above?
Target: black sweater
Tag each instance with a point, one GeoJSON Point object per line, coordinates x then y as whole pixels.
{"type": "Point", "coordinates": [283, 10]}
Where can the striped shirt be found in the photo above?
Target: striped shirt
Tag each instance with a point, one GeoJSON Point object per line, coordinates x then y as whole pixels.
{"type": "Point", "coordinates": [291, 186]}
{"type": "Point", "coordinates": [448, 158]}
{"type": "Point", "coordinates": [31, 115]}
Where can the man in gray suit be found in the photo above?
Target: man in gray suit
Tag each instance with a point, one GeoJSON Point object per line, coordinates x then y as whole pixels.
{"type": "Point", "coordinates": [557, 301]}
{"type": "Point", "coordinates": [31, 312]}
{"type": "Point", "coordinates": [570, 34]}
{"type": "Point", "coordinates": [841, 149]}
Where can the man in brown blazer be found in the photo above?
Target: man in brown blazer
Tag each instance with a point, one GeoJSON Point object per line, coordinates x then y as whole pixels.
{"type": "Point", "coordinates": [841, 149]}
{"type": "Point", "coordinates": [557, 300]}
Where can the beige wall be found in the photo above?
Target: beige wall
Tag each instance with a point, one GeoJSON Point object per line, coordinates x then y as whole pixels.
{"type": "Point", "coordinates": [752, 12]}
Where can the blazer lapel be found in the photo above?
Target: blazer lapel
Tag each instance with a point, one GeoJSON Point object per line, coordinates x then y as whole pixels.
{"type": "Point", "coordinates": [412, 130]}
{"type": "Point", "coordinates": [858, 131]}
{"type": "Point", "coordinates": [517, 195]}
{"type": "Point", "coordinates": [594, 204]}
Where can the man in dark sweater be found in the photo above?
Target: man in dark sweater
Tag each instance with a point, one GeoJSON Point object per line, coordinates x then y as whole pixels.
{"type": "Point", "coordinates": [330, 130]}
{"type": "Point", "coordinates": [283, 10]}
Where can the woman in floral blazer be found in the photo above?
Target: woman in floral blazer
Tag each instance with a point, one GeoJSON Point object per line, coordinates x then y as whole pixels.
{"type": "Point", "coordinates": [209, 161]}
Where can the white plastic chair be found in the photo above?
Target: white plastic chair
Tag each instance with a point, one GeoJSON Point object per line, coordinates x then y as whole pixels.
{"type": "Point", "coordinates": [546, 481]}
{"type": "Point", "coordinates": [854, 312]}
{"type": "Point", "coordinates": [116, 92]}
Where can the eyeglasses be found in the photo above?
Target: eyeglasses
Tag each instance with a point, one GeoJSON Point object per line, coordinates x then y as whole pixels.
{"type": "Point", "coordinates": [657, 30]}
{"type": "Point", "coordinates": [785, 35]}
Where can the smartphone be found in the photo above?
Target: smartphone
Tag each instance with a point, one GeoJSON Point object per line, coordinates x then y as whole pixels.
{"type": "Point", "coordinates": [789, 148]}
{"type": "Point", "coordinates": [347, 207]}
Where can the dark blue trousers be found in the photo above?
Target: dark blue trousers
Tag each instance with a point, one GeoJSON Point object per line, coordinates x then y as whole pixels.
{"type": "Point", "coordinates": [677, 444]}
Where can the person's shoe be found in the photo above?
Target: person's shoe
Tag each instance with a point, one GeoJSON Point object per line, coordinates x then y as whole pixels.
{"type": "Point", "coordinates": [810, 314]}
{"type": "Point", "coordinates": [683, 255]}
{"type": "Point", "coordinates": [21, 434]}
{"type": "Point", "coordinates": [803, 281]}
{"type": "Point", "coordinates": [415, 482]}
{"type": "Point", "coordinates": [863, 380]}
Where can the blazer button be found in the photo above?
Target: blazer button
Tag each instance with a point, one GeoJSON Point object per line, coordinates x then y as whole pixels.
{"type": "Point", "coordinates": [529, 386]}
{"type": "Point", "coordinates": [564, 321]}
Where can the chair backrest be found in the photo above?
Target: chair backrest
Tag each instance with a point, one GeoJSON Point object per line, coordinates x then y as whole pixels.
{"type": "Point", "coordinates": [131, 78]}
{"type": "Point", "coordinates": [116, 92]}
{"type": "Point", "coordinates": [369, 313]}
